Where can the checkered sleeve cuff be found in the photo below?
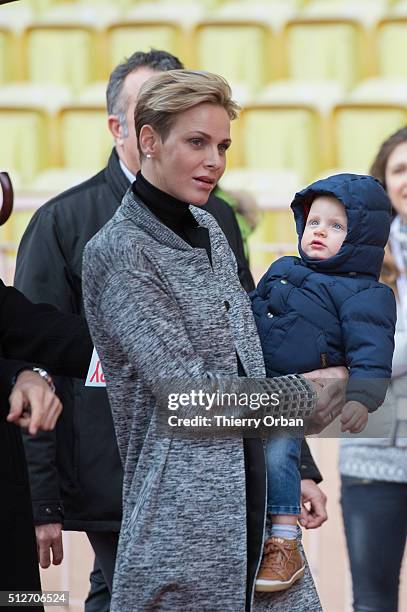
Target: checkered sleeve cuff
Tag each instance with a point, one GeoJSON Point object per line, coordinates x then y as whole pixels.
{"type": "Point", "coordinates": [297, 395]}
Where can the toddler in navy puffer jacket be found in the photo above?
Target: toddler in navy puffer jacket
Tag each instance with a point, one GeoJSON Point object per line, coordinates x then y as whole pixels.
{"type": "Point", "coordinates": [324, 308]}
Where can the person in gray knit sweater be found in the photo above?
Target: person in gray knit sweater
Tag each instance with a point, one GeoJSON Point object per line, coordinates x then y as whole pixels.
{"type": "Point", "coordinates": [163, 301]}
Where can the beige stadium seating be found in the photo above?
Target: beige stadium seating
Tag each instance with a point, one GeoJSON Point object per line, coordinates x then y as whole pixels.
{"type": "Point", "coordinates": [40, 7]}
{"type": "Point", "coordinates": [324, 49]}
{"type": "Point", "coordinates": [24, 136]}
{"type": "Point", "coordinates": [388, 90]}
{"type": "Point", "coordinates": [124, 38]}
{"type": "Point", "coordinates": [273, 191]}
{"type": "Point", "coordinates": [241, 51]}
{"type": "Point", "coordinates": [391, 47]}
{"type": "Point", "coordinates": [6, 56]}
{"type": "Point", "coordinates": [84, 139]}
{"type": "Point", "coordinates": [62, 54]}
{"type": "Point", "coordinates": [281, 136]}
{"type": "Point", "coordinates": [365, 11]}
{"type": "Point", "coordinates": [359, 128]}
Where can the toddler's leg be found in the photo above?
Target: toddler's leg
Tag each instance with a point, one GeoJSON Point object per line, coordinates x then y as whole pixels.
{"type": "Point", "coordinates": [282, 563]}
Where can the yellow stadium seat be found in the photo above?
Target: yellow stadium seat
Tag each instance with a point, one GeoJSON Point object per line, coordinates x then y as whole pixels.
{"type": "Point", "coordinates": [273, 190]}
{"type": "Point", "coordinates": [391, 47]}
{"type": "Point", "coordinates": [55, 180]}
{"type": "Point", "coordinates": [16, 15]}
{"type": "Point", "coordinates": [84, 139]}
{"type": "Point", "coordinates": [123, 39]}
{"type": "Point", "coordinates": [24, 135]}
{"type": "Point", "coordinates": [270, 188]}
{"type": "Point", "coordinates": [360, 128]}
{"type": "Point", "coordinates": [324, 49]}
{"type": "Point", "coordinates": [281, 136]}
{"type": "Point", "coordinates": [46, 96]}
{"type": "Point", "coordinates": [273, 12]}
{"type": "Point", "coordinates": [389, 90]}
{"type": "Point", "coordinates": [41, 6]}
{"type": "Point", "coordinates": [120, 4]}
{"type": "Point", "coordinates": [238, 50]}
{"type": "Point", "coordinates": [184, 13]}
{"type": "Point", "coordinates": [61, 54]}
{"type": "Point", "coordinates": [6, 55]}
{"type": "Point", "coordinates": [365, 11]}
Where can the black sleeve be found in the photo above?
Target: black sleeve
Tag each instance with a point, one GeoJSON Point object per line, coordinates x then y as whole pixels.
{"type": "Point", "coordinates": [308, 467]}
{"type": "Point", "coordinates": [39, 333]}
{"type": "Point", "coordinates": [226, 219]}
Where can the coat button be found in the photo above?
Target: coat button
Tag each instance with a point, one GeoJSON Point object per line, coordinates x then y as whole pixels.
{"type": "Point", "coordinates": [227, 305]}
{"type": "Point", "coordinates": [48, 510]}
{"type": "Point", "coordinates": [283, 282]}
{"type": "Point", "coordinates": [270, 315]}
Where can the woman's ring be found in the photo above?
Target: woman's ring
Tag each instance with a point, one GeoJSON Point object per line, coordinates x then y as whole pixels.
{"type": "Point", "coordinates": [331, 416]}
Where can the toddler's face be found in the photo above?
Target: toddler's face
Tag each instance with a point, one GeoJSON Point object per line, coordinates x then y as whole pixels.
{"type": "Point", "coordinates": [325, 228]}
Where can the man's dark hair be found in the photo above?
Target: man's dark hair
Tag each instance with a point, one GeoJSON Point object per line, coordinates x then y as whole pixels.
{"type": "Point", "coordinates": [154, 59]}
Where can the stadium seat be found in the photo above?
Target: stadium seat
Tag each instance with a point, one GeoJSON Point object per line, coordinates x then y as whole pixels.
{"type": "Point", "coordinates": [380, 90]}
{"type": "Point", "coordinates": [126, 37]}
{"type": "Point", "coordinates": [40, 7]}
{"type": "Point", "coordinates": [46, 96]}
{"type": "Point", "coordinates": [322, 94]}
{"type": "Point", "coordinates": [365, 11]}
{"type": "Point", "coordinates": [320, 49]}
{"type": "Point", "coordinates": [360, 128]}
{"type": "Point", "coordinates": [55, 180]}
{"type": "Point", "coordinates": [238, 50]}
{"type": "Point", "coordinates": [24, 134]}
{"type": "Point", "coordinates": [93, 94]}
{"type": "Point", "coordinates": [391, 47]}
{"type": "Point", "coordinates": [270, 188]}
{"type": "Point", "coordinates": [87, 126]}
{"type": "Point", "coordinates": [16, 15]}
{"type": "Point", "coordinates": [6, 55]}
{"type": "Point", "coordinates": [184, 13]}
{"type": "Point", "coordinates": [281, 136]}
{"type": "Point", "coordinates": [273, 12]}
{"type": "Point", "coordinates": [60, 54]}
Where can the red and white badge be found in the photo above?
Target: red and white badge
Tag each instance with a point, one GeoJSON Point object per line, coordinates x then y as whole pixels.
{"type": "Point", "coordinates": [95, 377]}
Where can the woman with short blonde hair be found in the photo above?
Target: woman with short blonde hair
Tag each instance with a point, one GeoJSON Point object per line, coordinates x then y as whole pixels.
{"type": "Point", "coordinates": [164, 301]}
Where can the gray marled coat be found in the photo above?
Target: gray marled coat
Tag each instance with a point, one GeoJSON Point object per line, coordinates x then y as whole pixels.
{"type": "Point", "coordinates": [156, 308]}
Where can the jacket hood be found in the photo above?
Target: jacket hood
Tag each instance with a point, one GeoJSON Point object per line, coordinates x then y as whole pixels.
{"type": "Point", "coordinates": [368, 210]}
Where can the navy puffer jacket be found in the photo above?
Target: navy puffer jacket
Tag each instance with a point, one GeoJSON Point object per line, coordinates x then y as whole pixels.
{"type": "Point", "coordinates": [318, 313]}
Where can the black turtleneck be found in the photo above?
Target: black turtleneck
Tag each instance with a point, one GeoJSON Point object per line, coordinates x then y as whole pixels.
{"type": "Point", "coordinates": [174, 213]}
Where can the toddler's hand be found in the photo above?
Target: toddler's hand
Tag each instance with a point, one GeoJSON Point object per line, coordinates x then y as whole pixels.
{"type": "Point", "coordinates": [354, 417]}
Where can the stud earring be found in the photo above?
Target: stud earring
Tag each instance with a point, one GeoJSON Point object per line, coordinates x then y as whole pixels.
{"type": "Point", "coordinates": [148, 156]}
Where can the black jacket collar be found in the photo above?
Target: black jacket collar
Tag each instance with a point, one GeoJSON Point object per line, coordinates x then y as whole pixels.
{"type": "Point", "coordinates": [115, 176]}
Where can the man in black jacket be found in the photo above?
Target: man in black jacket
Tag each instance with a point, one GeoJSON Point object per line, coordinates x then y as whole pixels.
{"type": "Point", "coordinates": [29, 333]}
{"type": "Point", "coordinates": [77, 468]}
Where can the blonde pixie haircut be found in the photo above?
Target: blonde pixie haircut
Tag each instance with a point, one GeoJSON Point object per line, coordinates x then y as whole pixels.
{"type": "Point", "coordinates": [166, 95]}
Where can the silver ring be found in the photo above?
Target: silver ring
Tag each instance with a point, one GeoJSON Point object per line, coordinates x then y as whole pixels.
{"type": "Point", "coordinates": [331, 416]}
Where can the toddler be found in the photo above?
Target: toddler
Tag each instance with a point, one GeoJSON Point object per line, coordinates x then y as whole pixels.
{"type": "Point", "coordinates": [324, 308]}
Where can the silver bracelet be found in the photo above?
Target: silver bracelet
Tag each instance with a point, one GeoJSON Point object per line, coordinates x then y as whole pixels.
{"type": "Point", "coordinates": [45, 376]}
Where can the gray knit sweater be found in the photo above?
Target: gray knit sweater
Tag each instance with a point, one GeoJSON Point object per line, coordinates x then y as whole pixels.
{"type": "Point", "coordinates": [156, 309]}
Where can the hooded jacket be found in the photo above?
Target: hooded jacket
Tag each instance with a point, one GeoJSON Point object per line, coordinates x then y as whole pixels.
{"type": "Point", "coordinates": [314, 313]}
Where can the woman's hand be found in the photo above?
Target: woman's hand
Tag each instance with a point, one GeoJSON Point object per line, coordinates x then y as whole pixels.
{"type": "Point", "coordinates": [330, 385]}
{"type": "Point", "coordinates": [33, 404]}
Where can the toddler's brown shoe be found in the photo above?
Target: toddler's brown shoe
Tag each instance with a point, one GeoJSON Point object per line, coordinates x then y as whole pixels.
{"type": "Point", "coordinates": [281, 566]}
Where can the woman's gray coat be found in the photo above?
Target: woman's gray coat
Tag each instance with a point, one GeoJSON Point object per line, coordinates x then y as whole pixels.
{"type": "Point", "coordinates": [156, 309]}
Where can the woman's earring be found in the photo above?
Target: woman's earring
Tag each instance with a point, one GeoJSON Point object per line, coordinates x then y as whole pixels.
{"type": "Point", "coordinates": [148, 156]}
